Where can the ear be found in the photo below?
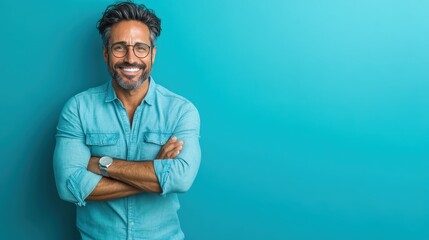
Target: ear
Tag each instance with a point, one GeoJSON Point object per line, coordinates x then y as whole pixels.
{"type": "Point", "coordinates": [153, 54]}
{"type": "Point", "coordinates": [105, 55]}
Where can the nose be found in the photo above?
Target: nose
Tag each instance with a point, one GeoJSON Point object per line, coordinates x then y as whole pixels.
{"type": "Point", "coordinates": [130, 56]}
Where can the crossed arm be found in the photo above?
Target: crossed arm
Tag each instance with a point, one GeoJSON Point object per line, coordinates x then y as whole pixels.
{"type": "Point", "coordinates": [76, 170]}
{"type": "Point", "coordinates": [129, 178]}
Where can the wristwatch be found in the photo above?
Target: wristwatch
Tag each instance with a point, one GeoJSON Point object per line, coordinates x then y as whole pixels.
{"type": "Point", "coordinates": [103, 164]}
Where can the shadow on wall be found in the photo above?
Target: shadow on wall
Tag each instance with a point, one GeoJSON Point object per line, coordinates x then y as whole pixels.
{"type": "Point", "coordinates": [75, 65]}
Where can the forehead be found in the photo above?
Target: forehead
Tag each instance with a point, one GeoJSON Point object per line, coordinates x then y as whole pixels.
{"type": "Point", "coordinates": [130, 31]}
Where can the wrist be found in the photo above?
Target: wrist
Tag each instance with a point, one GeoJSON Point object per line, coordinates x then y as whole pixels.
{"type": "Point", "coordinates": [103, 164]}
{"type": "Point", "coordinates": [93, 165]}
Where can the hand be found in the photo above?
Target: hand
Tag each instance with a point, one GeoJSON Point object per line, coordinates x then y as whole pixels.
{"type": "Point", "coordinates": [171, 149]}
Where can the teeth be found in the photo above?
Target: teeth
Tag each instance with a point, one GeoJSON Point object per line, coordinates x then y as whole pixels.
{"type": "Point", "coordinates": [130, 69]}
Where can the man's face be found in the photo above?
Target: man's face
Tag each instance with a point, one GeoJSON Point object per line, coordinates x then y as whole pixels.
{"type": "Point", "coordinates": [129, 71]}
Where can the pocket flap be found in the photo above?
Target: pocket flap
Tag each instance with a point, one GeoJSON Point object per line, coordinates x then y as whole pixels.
{"type": "Point", "coordinates": [156, 138]}
{"type": "Point", "coordinates": [100, 139]}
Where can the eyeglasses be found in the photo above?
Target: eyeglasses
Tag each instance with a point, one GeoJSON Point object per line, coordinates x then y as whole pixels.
{"type": "Point", "coordinates": [120, 50]}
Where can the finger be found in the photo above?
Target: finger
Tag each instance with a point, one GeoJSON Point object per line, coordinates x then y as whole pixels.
{"type": "Point", "coordinates": [169, 146]}
{"type": "Point", "coordinates": [177, 148]}
{"type": "Point", "coordinates": [167, 150]}
{"type": "Point", "coordinates": [173, 154]}
{"type": "Point", "coordinates": [175, 151]}
{"type": "Point", "coordinates": [172, 139]}
{"type": "Point", "coordinates": [170, 149]}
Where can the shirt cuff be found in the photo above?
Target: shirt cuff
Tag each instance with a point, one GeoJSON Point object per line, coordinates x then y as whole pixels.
{"type": "Point", "coordinates": [81, 183]}
{"type": "Point", "coordinates": [162, 171]}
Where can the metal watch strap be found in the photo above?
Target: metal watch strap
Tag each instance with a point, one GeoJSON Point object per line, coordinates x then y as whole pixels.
{"type": "Point", "coordinates": [103, 164]}
{"type": "Point", "coordinates": [103, 171]}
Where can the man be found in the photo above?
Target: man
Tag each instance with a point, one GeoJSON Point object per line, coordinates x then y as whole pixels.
{"type": "Point", "coordinates": [126, 148]}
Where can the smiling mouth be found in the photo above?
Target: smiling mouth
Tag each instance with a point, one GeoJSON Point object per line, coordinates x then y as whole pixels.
{"type": "Point", "coordinates": [130, 69]}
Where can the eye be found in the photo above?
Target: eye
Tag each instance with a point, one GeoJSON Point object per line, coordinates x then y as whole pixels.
{"type": "Point", "coordinates": [118, 48]}
{"type": "Point", "coordinates": [141, 48]}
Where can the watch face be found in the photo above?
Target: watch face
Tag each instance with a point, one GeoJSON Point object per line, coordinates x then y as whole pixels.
{"type": "Point", "coordinates": [105, 161]}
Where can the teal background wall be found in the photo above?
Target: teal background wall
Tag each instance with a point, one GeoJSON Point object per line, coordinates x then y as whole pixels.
{"type": "Point", "coordinates": [315, 114]}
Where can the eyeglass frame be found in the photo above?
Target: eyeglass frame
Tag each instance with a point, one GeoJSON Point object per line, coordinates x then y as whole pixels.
{"type": "Point", "coordinates": [129, 45]}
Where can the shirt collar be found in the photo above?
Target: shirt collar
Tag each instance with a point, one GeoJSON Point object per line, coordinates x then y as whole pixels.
{"type": "Point", "coordinates": [149, 98]}
{"type": "Point", "coordinates": [110, 93]}
{"type": "Point", "coordinates": [150, 95]}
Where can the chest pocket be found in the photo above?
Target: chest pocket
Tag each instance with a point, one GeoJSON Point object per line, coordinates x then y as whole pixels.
{"type": "Point", "coordinates": [103, 144]}
{"type": "Point", "coordinates": [152, 143]}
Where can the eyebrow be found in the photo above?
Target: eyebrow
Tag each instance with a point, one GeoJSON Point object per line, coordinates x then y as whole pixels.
{"type": "Point", "coordinates": [125, 43]}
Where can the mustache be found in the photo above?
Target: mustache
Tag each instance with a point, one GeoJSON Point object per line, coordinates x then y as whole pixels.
{"type": "Point", "coordinates": [125, 64]}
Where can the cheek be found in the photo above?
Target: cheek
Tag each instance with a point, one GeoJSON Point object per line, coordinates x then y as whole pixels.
{"type": "Point", "coordinates": [111, 64]}
{"type": "Point", "coordinates": [111, 61]}
{"type": "Point", "coordinates": [149, 63]}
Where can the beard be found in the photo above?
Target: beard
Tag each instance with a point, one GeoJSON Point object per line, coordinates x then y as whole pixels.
{"type": "Point", "coordinates": [130, 85]}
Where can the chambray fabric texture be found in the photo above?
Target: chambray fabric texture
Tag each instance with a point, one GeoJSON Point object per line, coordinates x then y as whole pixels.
{"type": "Point", "coordinates": [95, 123]}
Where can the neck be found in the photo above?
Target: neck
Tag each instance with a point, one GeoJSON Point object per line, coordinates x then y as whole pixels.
{"type": "Point", "coordinates": [131, 99]}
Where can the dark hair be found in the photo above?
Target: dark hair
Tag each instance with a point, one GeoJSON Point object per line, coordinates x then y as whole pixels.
{"type": "Point", "coordinates": [128, 10]}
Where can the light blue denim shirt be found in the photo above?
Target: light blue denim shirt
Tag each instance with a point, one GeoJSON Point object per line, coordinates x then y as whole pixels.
{"type": "Point", "coordinates": [95, 123]}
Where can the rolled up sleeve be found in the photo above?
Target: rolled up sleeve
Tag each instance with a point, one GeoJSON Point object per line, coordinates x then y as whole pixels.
{"type": "Point", "coordinates": [74, 182]}
{"type": "Point", "coordinates": [177, 175]}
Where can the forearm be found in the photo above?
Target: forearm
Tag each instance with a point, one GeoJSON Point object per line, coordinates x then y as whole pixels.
{"type": "Point", "coordinates": [138, 175]}
{"type": "Point", "coordinates": [108, 189]}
